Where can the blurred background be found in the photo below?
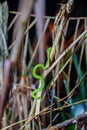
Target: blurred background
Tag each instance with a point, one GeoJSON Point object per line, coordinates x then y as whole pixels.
{"type": "Point", "coordinates": [64, 95]}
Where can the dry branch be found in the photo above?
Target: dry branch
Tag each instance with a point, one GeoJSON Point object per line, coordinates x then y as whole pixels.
{"type": "Point", "coordinates": [81, 119]}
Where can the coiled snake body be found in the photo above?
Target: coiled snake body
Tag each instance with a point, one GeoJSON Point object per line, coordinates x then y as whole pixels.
{"type": "Point", "coordinates": [39, 77]}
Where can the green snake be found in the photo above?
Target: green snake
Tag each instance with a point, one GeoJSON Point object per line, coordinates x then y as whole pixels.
{"type": "Point", "coordinates": [39, 77]}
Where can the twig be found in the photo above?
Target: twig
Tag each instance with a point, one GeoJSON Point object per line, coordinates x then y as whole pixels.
{"type": "Point", "coordinates": [12, 22]}
{"type": "Point", "coordinates": [32, 58]}
{"type": "Point", "coordinates": [46, 72]}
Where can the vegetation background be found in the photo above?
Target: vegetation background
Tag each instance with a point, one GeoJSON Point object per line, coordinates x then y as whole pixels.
{"type": "Point", "coordinates": [27, 29]}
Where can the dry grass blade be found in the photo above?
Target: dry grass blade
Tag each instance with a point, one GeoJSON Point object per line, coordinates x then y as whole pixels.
{"type": "Point", "coordinates": [13, 21]}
